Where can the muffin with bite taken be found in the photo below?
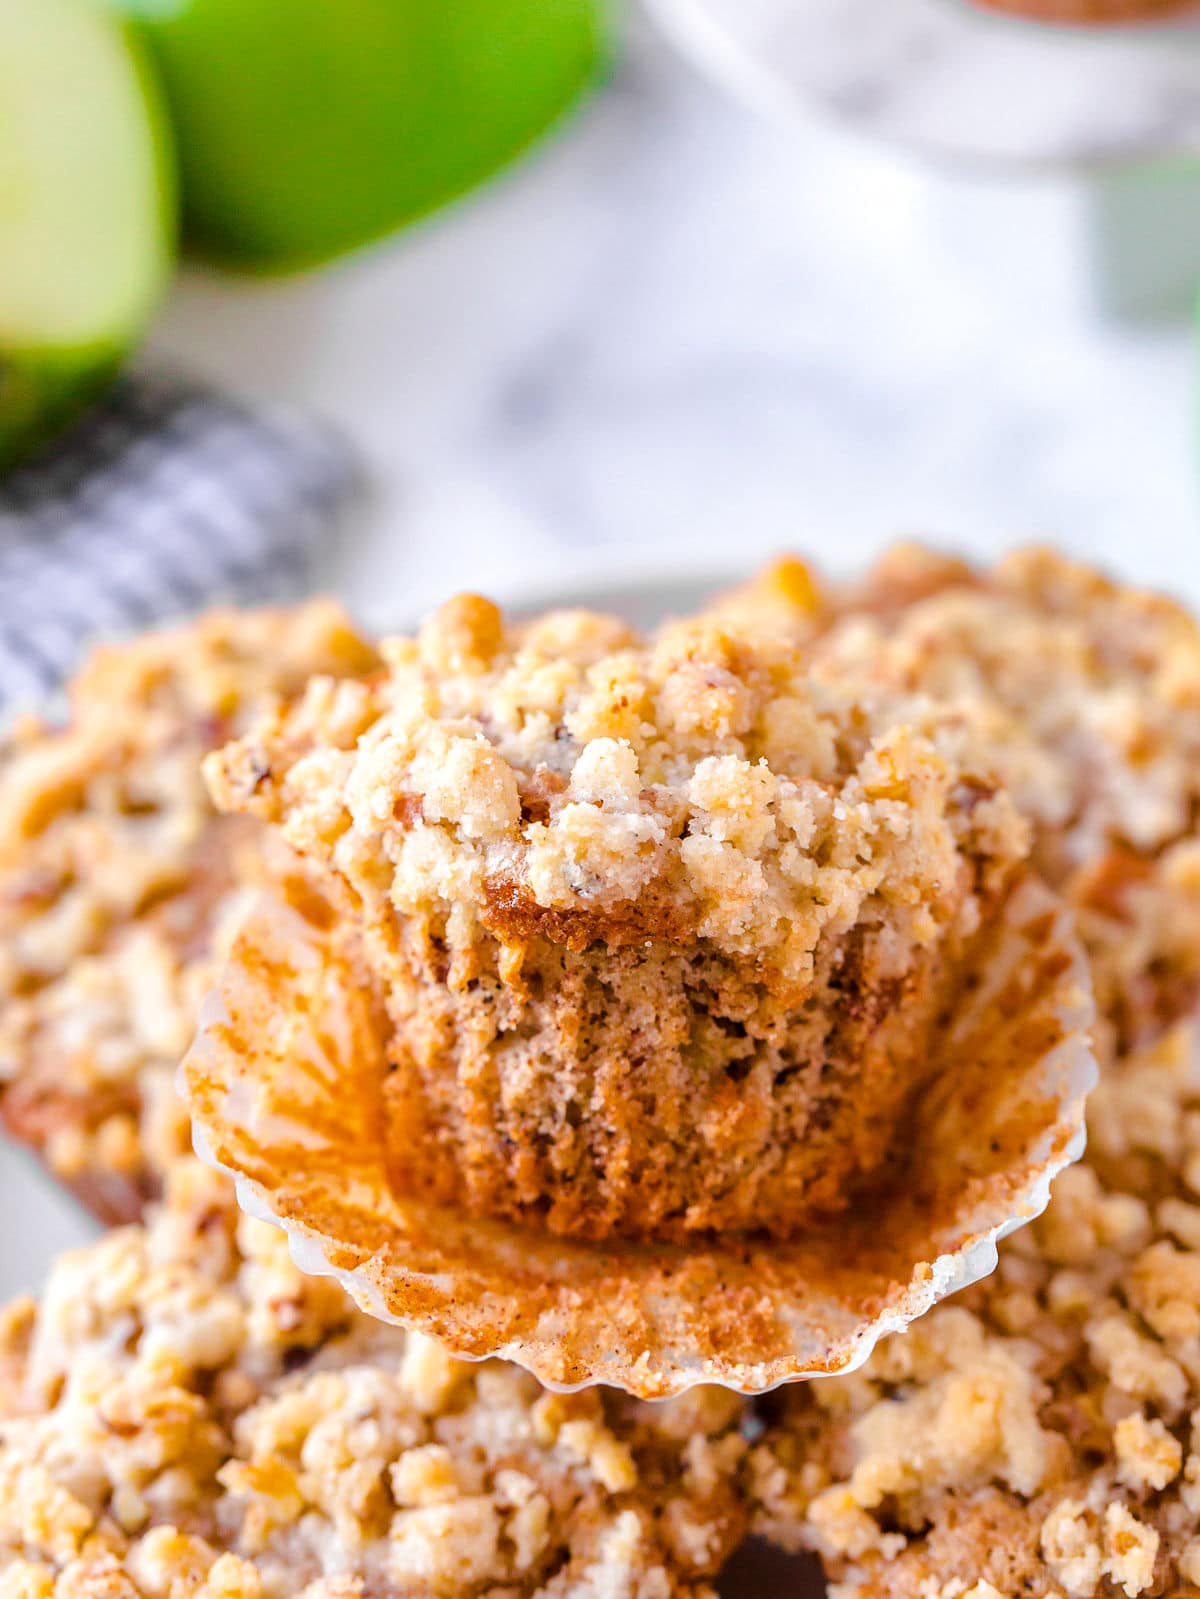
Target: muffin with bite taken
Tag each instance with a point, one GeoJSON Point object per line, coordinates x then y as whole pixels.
{"type": "Point", "coordinates": [662, 926]}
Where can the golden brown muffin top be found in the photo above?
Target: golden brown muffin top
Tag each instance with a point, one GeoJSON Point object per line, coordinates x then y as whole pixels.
{"type": "Point", "coordinates": [571, 778]}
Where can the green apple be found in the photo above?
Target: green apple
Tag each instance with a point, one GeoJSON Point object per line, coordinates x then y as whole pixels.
{"type": "Point", "coordinates": [86, 209]}
{"type": "Point", "coordinates": [308, 127]}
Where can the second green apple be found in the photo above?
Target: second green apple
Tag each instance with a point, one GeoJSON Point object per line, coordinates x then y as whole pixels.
{"type": "Point", "coordinates": [307, 127]}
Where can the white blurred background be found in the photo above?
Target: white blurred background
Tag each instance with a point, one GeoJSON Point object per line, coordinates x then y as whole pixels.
{"type": "Point", "coordinates": [684, 332]}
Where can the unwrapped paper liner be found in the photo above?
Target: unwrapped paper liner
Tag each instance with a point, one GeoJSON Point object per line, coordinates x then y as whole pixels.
{"type": "Point", "coordinates": [284, 1086]}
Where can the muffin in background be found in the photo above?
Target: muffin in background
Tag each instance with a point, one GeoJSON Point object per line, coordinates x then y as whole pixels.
{"type": "Point", "coordinates": [1086, 12]}
{"type": "Point", "coordinates": [1083, 694]}
{"type": "Point", "coordinates": [120, 886]}
{"type": "Point", "coordinates": [183, 1411]}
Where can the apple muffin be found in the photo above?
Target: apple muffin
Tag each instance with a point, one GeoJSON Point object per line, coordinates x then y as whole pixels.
{"type": "Point", "coordinates": [185, 1412]}
{"type": "Point", "coordinates": [119, 885]}
{"type": "Point", "coordinates": [1083, 694]}
{"type": "Point", "coordinates": [1086, 12]}
{"type": "Point", "coordinates": [661, 924]}
{"type": "Point", "coordinates": [1040, 1434]}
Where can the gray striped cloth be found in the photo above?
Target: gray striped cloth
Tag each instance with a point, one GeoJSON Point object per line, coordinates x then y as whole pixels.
{"type": "Point", "coordinates": [165, 498]}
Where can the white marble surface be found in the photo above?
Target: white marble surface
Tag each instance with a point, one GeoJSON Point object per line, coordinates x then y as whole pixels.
{"type": "Point", "coordinates": [683, 333]}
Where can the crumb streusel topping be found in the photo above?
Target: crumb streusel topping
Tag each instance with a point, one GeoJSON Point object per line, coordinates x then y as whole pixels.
{"type": "Point", "coordinates": [701, 779]}
{"type": "Point", "coordinates": [659, 922]}
{"type": "Point", "coordinates": [1039, 1434]}
{"type": "Point", "coordinates": [119, 886]}
{"type": "Point", "coordinates": [184, 1412]}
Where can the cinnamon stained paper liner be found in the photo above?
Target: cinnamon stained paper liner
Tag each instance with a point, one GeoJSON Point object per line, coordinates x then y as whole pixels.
{"type": "Point", "coordinates": [284, 1086]}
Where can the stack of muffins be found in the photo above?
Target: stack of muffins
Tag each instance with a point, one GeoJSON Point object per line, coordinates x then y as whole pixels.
{"type": "Point", "coordinates": [184, 1413]}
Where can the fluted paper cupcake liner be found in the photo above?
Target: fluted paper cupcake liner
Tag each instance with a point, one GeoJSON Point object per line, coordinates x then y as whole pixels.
{"type": "Point", "coordinates": [284, 1084]}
